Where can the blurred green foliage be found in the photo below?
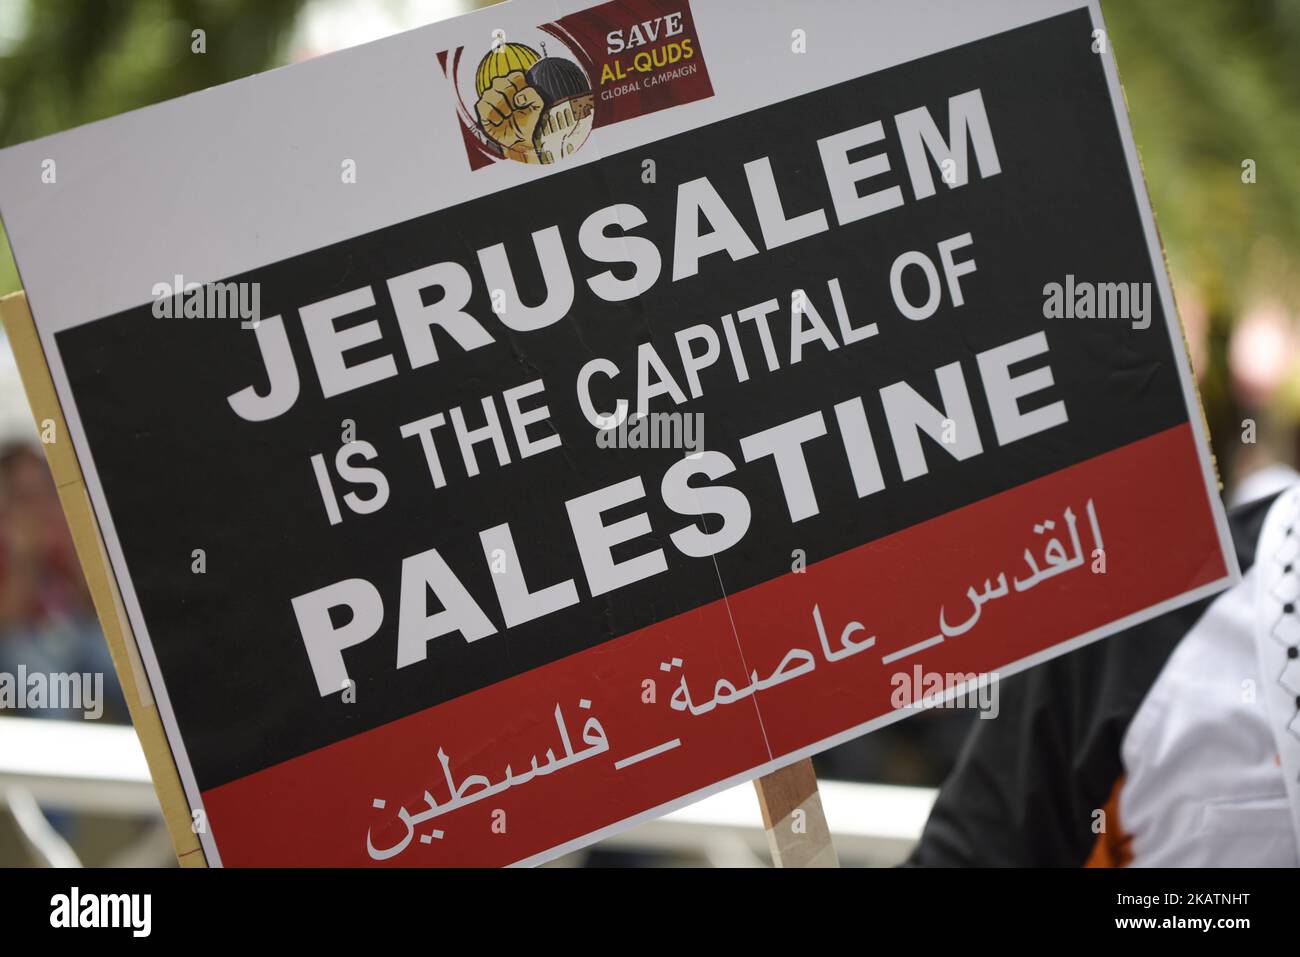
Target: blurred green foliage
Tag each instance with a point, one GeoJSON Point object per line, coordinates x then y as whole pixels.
{"type": "Point", "coordinates": [77, 61]}
{"type": "Point", "coordinates": [1210, 84]}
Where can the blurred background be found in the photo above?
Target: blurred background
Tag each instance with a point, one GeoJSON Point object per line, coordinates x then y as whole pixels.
{"type": "Point", "coordinates": [1210, 87]}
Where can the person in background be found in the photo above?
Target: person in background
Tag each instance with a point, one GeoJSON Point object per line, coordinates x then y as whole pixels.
{"type": "Point", "coordinates": [47, 621]}
{"type": "Point", "coordinates": [1173, 743]}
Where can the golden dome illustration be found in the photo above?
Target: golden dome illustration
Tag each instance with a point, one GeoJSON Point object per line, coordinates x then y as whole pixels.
{"type": "Point", "coordinates": [502, 61]}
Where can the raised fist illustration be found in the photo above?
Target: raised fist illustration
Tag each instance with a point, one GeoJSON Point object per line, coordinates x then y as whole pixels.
{"type": "Point", "coordinates": [509, 110]}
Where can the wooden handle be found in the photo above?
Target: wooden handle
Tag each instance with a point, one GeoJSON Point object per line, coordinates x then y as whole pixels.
{"type": "Point", "coordinates": [796, 827]}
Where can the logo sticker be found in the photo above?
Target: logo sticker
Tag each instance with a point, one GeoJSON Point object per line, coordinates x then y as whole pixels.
{"type": "Point", "coordinates": [537, 98]}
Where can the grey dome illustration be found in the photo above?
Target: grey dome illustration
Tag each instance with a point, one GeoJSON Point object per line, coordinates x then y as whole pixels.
{"type": "Point", "coordinates": [557, 79]}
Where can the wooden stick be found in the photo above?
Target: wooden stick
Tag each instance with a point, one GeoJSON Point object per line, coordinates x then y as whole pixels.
{"type": "Point", "coordinates": [71, 485]}
{"type": "Point", "coordinates": [796, 828]}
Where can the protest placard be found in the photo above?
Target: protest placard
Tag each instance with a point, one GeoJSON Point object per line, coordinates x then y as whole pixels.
{"type": "Point", "coordinates": [508, 431]}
